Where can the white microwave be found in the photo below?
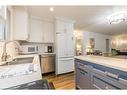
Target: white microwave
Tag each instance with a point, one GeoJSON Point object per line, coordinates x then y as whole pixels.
{"type": "Point", "coordinates": [29, 49]}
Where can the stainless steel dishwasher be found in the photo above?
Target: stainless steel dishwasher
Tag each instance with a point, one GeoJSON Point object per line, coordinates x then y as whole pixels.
{"type": "Point", "coordinates": [47, 63]}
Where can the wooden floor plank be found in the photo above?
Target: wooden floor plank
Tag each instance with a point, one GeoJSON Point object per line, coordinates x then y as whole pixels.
{"type": "Point", "coordinates": [64, 81]}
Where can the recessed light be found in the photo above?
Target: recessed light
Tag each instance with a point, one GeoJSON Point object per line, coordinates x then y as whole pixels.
{"type": "Point", "coordinates": [51, 9]}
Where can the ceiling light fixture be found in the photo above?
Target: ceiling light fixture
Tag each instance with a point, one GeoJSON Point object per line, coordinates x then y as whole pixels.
{"type": "Point", "coordinates": [117, 17]}
{"type": "Point", "coordinates": [51, 9]}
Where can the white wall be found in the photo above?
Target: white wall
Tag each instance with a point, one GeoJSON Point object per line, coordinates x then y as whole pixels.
{"type": "Point", "coordinates": [100, 40]}
{"type": "Point", "coordinates": [120, 42]}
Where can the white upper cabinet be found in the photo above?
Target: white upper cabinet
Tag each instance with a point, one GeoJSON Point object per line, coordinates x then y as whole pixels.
{"type": "Point", "coordinates": [31, 28]}
{"type": "Point", "coordinates": [36, 31]}
{"type": "Point", "coordinates": [48, 32]}
{"type": "Point", "coordinates": [41, 31]}
{"type": "Point", "coordinates": [20, 23]}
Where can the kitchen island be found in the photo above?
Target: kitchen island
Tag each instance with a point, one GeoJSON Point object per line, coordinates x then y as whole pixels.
{"type": "Point", "coordinates": [23, 69]}
{"type": "Point", "coordinates": [98, 72]}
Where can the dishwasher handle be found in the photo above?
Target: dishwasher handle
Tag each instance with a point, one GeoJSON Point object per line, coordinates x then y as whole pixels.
{"type": "Point", "coordinates": [44, 56]}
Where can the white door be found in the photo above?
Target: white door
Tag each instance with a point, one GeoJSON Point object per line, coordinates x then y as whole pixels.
{"type": "Point", "coordinates": [36, 30]}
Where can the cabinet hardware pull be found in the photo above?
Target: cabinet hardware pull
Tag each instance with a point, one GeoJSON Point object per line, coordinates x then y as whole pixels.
{"type": "Point", "coordinates": [99, 70]}
{"type": "Point", "coordinates": [96, 86]}
{"type": "Point", "coordinates": [123, 80]}
{"type": "Point", "coordinates": [80, 64]}
{"type": "Point", "coordinates": [112, 75]}
{"type": "Point", "coordinates": [83, 72]}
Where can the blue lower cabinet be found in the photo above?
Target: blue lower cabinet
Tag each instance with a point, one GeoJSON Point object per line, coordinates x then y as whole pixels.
{"type": "Point", "coordinates": [94, 76]}
{"type": "Point", "coordinates": [83, 80]}
{"type": "Point", "coordinates": [97, 83]}
{"type": "Point", "coordinates": [82, 76]}
{"type": "Point", "coordinates": [102, 82]}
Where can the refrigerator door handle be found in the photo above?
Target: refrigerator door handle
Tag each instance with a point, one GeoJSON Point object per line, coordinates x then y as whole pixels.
{"type": "Point", "coordinates": [65, 59]}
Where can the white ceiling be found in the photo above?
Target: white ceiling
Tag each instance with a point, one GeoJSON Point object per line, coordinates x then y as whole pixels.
{"type": "Point", "coordinates": [89, 18]}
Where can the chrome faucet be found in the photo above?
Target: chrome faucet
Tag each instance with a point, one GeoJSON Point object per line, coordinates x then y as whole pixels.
{"type": "Point", "coordinates": [5, 56]}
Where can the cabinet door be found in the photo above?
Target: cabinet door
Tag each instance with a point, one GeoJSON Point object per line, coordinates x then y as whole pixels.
{"type": "Point", "coordinates": [83, 79]}
{"type": "Point", "coordinates": [20, 24]}
{"type": "Point", "coordinates": [48, 32]}
{"type": "Point", "coordinates": [36, 30]}
{"type": "Point", "coordinates": [76, 74]}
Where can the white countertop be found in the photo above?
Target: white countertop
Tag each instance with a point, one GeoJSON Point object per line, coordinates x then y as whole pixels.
{"type": "Point", "coordinates": [45, 53]}
{"type": "Point", "coordinates": [25, 56]}
{"type": "Point", "coordinates": [39, 53]}
{"type": "Point", "coordinates": [16, 57]}
{"type": "Point", "coordinates": [116, 63]}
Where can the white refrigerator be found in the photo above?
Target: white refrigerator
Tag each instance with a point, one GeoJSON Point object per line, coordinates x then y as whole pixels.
{"type": "Point", "coordinates": [65, 50]}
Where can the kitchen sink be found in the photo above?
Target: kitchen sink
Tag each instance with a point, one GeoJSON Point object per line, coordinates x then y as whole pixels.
{"type": "Point", "coordinates": [20, 61]}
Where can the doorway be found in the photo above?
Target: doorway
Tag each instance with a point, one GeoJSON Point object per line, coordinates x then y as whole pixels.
{"type": "Point", "coordinates": [107, 45]}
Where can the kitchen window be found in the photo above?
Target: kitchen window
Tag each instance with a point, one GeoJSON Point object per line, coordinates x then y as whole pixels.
{"type": "Point", "coordinates": [2, 29]}
{"type": "Point", "coordinates": [4, 23]}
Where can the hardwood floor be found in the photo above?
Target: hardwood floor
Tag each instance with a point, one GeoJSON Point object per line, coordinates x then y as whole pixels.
{"type": "Point", "coordinates": [64, 81]}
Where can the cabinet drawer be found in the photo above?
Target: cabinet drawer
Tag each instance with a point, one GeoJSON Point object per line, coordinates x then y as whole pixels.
{"type": "Point", "coordinates": [98, 83]}
{"type": "Point", "coordinates": [105, 82]}
{"type": "Point", "coordinates": [82, 66]}
{"type": "Point", "coordinates": [109, 86]}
